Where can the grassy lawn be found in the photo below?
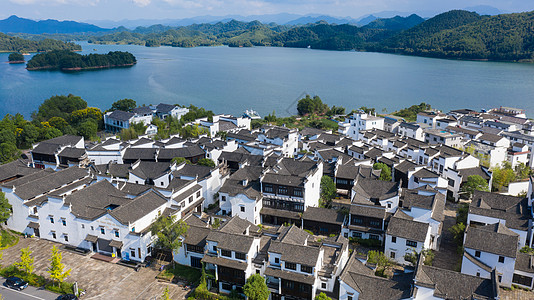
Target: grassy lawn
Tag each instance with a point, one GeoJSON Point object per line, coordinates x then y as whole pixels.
{"type": "Point", "coordinates": [184, 272]}
{"type": "Point", "coordinates": [8, 239]}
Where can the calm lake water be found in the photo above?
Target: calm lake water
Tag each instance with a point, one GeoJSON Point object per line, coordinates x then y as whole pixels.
{"type": "Point", "coordinates": [230, 80]}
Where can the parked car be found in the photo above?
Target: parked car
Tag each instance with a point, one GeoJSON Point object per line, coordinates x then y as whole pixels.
{"type": "Point", "coordinates": [67, 297]}
{"type": "Point", "coordinates": [16, 283]}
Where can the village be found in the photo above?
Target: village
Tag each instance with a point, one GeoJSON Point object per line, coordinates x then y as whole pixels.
{"type": "Point", "coordinates": [439, 208]}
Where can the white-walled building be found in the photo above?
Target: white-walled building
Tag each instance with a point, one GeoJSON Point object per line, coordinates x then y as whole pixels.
{"type": "Point", "coordinates": [358, 122]}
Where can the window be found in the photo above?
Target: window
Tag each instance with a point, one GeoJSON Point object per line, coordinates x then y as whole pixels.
{"type": "Point", "coordinates": [392, 255]}
{"type": "Point", "coordinates": [116, 233]}
{"type": "Point", "coordinates": [190, 199]}
{"type": "Point", "coordinates": [297, 192]}
{"type": "Point", "coordinates": [240, 255]}
{"type": "Point", "coordinates": [374, 237]}
{"type": "Point", "coordinates": [389, 204]}
{"type": "Point", "coordinates": [393, 239]}
{"type": "Point", "coordinates": [282, 190]}
{"type": "Point", "coordinates": [478, 274]}
{"type": "Point", "coordinates": [477, 253]}
{"type": "Point", "coordinates": [223, 198]}
{"type": "Point", "coordinates": [132, 252]}
{"type": "Point", "coordinates": [198, 194]}
{"type": "Point", "coordinates": [242, 209]}
{"type": "Point", "coordinates": [374, 223]}
{"type": "Point", "coordinates": [501, 259]}
{"type": "Point", "coordinates": [51, 219]}
{"type": "Point", "coordinates": [92, 228]}
{"type": "Point", "coordinates": [323, 285]}
{"type": "Point", "coordinates": [349, 297]}
{"type": "Point", "coordinates": [83, 226]}
{"type": "Point", "coordinates": [500, 278]}
{"type": "Point", "coordinates": [64, 222]}
{"type": "Point", "coordinates": [214, 248]}
{"type": "Point", "coordinates": [53, 235]}
{"type": "Point", "coordinates": [226, 253]}
{"type": "Point", "coordinates": [306, 269]}
{"type": "Point", "coordinates": [277, 260]}
{"type": "Point", "coordinates": [102, 230]}
{"type": "Point", "coordinates": [268, 188]}
{"type": "Point", "coordinates": [356, 234]}
{"type": "Point", "coordinates": [357, 220]}
{"type": "Point", "coordinates": [291, 266]}
{"type": "Point", "coordinates": [411, 243]}
{"type": "Point", "coordinates": [66, 237]}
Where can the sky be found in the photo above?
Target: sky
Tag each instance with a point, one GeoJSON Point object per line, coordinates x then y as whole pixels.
{"type": "Point", "coordinates": [80, 10]}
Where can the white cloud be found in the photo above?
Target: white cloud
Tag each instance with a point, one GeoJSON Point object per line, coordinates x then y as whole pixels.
{"type": "Point", "coordinates": [141, 3]}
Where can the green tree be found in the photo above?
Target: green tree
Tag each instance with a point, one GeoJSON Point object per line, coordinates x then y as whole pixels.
{"type": "Point", "coordinates": [57, 267]}
{"type": "Point", "coordinates": [381, 261]}
{"type": "Point", "coordinates": [309, 105]}
{"type": "Point", "coordinates": [522, 171]}
{"type": "Point", "coordinates": [8, 152]}
{"type": "Point", "coordinates": [15, 56]}
{"type": "Point", "coordinates": [124, 105]}
{"type": "Point", "coordinates": [88, 129]}
{"type": "Point", "coordinates": [59, 106]}
{"type": "Point", "coordinates": [169, 232]}
{"type": "Point", "coordinates": [5, 209]}
{"type": "Point", "coordinates": [58, 122]}
{"type": "Point", "coordinates": [328, 190]}
{"type": "Point", "coordinates": [179, 160]}
{"type": "Point", "coordinates": [28, 135]}
{"type": "Point", "coordinates": [255, 288]}
{"type": "Point", "coordinates": [474, 183]}
{"type": "Point", "coordinates": [26, 261]}
{"type": "Point", "coordinates": [206, 162]}
{"type": "Point", "coordinates": [502, 176]}
{"type": "Point", "coordinates": [322, 296]}
{"type": "Point", "coordinates": [458, 231]}
{"type": "Point", "coordinates": [385, 173]}
{"type": "Point", "coordinates": [166, 295]}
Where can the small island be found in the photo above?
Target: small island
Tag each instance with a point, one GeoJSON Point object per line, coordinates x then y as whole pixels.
{"type": "Point", "coordinates": [65, 60]}
{"type": "Point", "coordinates": [15, 58]}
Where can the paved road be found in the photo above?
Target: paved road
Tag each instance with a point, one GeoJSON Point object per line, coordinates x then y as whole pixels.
{"type": "Point", "coordinates": [29, 293]}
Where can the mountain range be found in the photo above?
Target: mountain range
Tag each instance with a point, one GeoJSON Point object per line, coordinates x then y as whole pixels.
{"type": "Point", "coordinates": [15, 24]}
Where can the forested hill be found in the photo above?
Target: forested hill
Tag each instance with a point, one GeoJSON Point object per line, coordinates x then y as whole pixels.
{"type": "Point", "coordinates": [22, 25]}
{"type": "Point", "coordinates": [15, 44]}
{"type": "Point", "coordinates": [501, 37]}
{"type": "Point", "coordinates": [69, 61]}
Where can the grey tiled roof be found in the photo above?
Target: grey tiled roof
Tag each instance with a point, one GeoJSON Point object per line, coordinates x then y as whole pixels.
{"type": "Point", "coordinates": [70, 152]}
{"type": "Point", "coordinates": [234, 184]}
{"type": "Point", "coordinates": [425, 173]}
{"type": "Point", "coordinates": [449, 284]}
{"type": "Point", "coordinates": [232, 242]}
{"type": "Point", "coordinates": [164, 108]}
{"type": "Point", "coordinates": [201, 172]}
{"type": "Point", "coordinates": [225, 262]}
{"type": "Point", "coordinates": [142, 110]}
{"type": "Point", "coordinates": [49, 182]}
{"type": "Point", "coordinates": [134, 154]}
{"type": "Point", "coordinates": [324, 215]}
{"type": "Point", "coordinates": [150, 169]}
{"type": "Point", "coordinates": [373, 211]}
{"type": "Point", "coordinates": [293, 276]}
{"type": "Point", "coordinates": [17, 168]}
{"type": "Point", "coordinates": [290, 172]}
{"type": "Point", "coordinates": [513, 210]}
{"type": "Point", "coordinates": [196, 235]}
{"type": "Point", "coordinates": [120, 115]}
{"type": "Point", "coordinates": [371, 287]}
{"type": "Point", "coordinates": [370, 189]}
{"type": "Point", "coordinates": [402, 225]}
{"type": "Point", "coordinates": [190, 151]}
{"type": "Point", "coordinates": [132, 188]}
{"type": "Point", "coordinates": [493, 238]}
{"type": "Point", "coordinates": [292, 235]}
{"type": "Point", "coordinates": [299, 254]}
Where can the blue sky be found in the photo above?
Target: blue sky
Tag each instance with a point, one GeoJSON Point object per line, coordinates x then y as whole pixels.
{"type": "Point", "coordinates": [177, 9]}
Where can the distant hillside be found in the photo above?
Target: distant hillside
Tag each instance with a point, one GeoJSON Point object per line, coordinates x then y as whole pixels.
{"type": "Point", "coordinates": [461, 34]}
{"type": "Point", "coordinates": [15, 24]}
{"type": "Point", "coordinates": [15, 44]}
{"type": "Point", "coordinates": [314, 19]}
{"type": "Point", "coordinates": [396, 23]}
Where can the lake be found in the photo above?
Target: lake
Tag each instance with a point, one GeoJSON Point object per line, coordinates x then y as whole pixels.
{"type": "Point", "coordinates": [230, 80]}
